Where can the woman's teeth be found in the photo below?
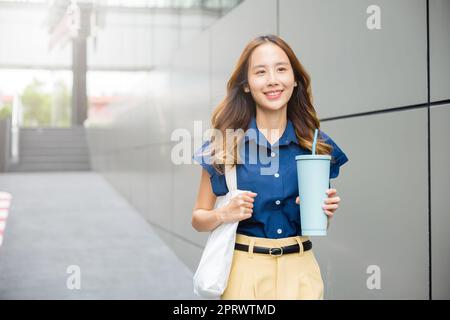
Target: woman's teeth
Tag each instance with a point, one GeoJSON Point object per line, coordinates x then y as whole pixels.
{"type": "Point", "coordinates": [273, 94]}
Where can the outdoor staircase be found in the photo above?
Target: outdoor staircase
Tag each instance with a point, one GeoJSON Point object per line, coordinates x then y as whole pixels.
{"type": "Point", "coordinates": [52, 149]}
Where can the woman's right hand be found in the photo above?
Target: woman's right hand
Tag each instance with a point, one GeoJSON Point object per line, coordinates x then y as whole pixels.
{"type": "Point", "coordinates": [239, 208]}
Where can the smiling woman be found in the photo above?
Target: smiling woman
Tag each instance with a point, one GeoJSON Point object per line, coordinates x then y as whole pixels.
{"type": "Point", "coordinates": [269, 94]}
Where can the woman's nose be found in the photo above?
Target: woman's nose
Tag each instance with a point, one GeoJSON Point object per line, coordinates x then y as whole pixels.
{"type": "Point", "coordinates": [272, 77]}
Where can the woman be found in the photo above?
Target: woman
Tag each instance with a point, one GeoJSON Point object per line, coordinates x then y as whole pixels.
{"type": "Point", "coordinates": [268, 93]}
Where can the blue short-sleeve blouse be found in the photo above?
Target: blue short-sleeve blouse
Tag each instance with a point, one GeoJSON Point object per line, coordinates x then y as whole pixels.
{"type": "Point", "coordinates": [275, 213]}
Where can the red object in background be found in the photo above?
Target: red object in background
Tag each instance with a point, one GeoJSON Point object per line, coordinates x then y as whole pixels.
{"type": "Point", "coordinates": [5, 202]}
{"type": "Point", "coordinates": [99, 106]}
{"type": "Point", "coordinates": [6, 99]}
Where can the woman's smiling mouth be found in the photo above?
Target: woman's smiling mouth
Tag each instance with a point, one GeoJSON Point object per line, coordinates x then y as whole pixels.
{"type": "Point", "coordinates": [273, 95]}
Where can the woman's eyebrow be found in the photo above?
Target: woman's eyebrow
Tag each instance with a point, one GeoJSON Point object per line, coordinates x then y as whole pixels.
{"type": "Point", "coordinates": [263, 65]}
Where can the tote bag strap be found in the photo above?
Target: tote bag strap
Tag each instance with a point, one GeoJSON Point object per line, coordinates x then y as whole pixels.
{"type": "Point", "coordinates": [230, 177]}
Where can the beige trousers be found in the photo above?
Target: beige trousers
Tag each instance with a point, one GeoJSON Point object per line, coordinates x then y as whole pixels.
{"type": "Point", "coordinates": [262, 276]}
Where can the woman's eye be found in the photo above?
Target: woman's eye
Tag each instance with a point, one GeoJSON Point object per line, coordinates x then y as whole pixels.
{"type": "Point", "coordinates": [261, 71]}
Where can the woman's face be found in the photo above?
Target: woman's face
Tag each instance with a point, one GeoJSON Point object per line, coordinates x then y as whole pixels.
{"type": "Point", "coordinates": [270, 71]}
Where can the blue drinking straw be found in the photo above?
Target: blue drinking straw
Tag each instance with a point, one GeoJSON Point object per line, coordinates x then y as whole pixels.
{"type": "Point", "coordinates": [314, 142]}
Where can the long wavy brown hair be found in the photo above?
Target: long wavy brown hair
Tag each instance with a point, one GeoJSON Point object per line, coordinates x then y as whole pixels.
{"type": "Point", "coordinates": [237, 108]}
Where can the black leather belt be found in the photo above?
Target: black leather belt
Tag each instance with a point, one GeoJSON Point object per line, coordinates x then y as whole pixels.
{"type": "Point", "coordinates": [307, 245]}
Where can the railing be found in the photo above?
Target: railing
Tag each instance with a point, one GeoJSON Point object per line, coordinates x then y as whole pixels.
{"type": "Point", "coordinates": [16, 122]}
{"type": "Point", "coordinates": [5, 133]}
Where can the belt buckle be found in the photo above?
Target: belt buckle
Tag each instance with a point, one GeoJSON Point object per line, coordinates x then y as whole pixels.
{"type": "Point", "coordinates": [280, 250]}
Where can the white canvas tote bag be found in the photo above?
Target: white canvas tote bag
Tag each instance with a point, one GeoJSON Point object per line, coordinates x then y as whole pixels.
{"type": "Point", "coordinates": [211, 277]}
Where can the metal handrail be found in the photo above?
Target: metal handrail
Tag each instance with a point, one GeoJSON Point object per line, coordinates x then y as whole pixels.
{"type": "Point", "coordinates": [16, 122]}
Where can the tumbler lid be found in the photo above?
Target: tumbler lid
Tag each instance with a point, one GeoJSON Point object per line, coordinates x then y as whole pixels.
{"type": "Point", "coordinates": [313, 157]}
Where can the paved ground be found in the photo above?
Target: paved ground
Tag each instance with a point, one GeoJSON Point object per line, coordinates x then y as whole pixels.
{"type": "Point", "coordinates": [58, 220]}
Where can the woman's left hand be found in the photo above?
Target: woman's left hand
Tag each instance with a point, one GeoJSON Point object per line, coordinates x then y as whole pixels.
{"type": "Point", "coordinates": [330, 204]}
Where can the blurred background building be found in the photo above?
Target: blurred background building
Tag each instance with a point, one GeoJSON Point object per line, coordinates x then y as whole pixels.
{"type": "Point", "coordinates": [65, 61]}
{"type": "Point", "coordinates": [102, 85]}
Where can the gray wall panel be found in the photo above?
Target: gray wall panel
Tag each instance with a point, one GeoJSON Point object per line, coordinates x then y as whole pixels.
{"type": "Point", "coordinates": [123, 129]}
{"type": "Point", "coordinates": [160, 108]}
{"type": "Point", "coordinates": [382, 219]}
{"type": "Point", "coordinates": [439, 50]}
{"type": "Point", "coordinates": [190, 79]}
{"type": "Point", "coordinates": [139, 182]}
{"type": "Point", "coordinates": [138, 129]}
{"type": "Point", "coordinates": [440, 212]}
{"type": "Point", "coordinates": [354, 69]}
{"type": "Point", "coordinates": [124, 172]}
{"type": "Point", "coordinates": [160, 194]}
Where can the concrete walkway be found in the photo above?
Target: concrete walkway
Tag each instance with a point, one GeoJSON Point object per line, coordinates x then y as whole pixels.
{"type": "Point", "coordinates": [59, 220]}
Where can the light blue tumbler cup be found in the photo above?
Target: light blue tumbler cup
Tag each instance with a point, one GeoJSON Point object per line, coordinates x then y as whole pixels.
{"type": "Point", "coordinates": [313, 172]}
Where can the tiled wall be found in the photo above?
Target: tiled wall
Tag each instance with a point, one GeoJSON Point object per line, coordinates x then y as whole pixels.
{"type": "Point", "coordinates": [370, 91]}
